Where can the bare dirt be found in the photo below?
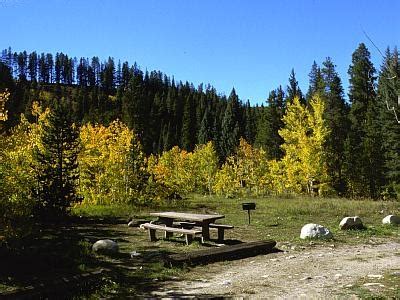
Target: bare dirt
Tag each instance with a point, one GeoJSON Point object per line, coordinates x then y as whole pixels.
{"type": "Point", "coordinates": [315, 271]}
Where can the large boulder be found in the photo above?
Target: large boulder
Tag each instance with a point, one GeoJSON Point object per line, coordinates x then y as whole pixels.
{"type": "Point", "coordinates": [105, 246]}
{"type": "Point", "coordinates": [315, 231]}
{"type": "Point", "coordinates": [351, 223]}
{"type": "Point", "coordinates": [391, 219]}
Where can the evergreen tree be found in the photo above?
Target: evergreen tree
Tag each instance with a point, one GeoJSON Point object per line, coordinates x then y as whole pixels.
{"type": "Point", "coordinates": [336, 118]}
{"type": "Point", "coordinates": [249, 123]}
{"type": "Point", "coordinates": [206, 128]}
{"type": "Point", "coordinates": [293, 89]}
{"type": "Point", "coordinates": [57, 163]}
{"type": "Point", "coordinates": [363, 146]}
{"type": "Point", "coordinates": [32, 66]}
{"type": "Point", "coordinates": [388, 95]}
{"type": "Point", "coordinates": [262, 125]}
{"type": "Point", "coordinates": [275, 115]}
{"type": "Point", "coordinates": [316, 85]}
{"type": "Point", "coordinates": [230, 133]}
{"type": "Point", "coordinates": [188, 125]}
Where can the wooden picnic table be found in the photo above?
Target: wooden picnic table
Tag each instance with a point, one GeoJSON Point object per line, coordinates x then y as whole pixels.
{"type": "Point", "coordinates": [203, 220]}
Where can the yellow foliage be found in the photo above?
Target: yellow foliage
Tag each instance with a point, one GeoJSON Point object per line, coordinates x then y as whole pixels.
{"type": "Point", "coordinates": [304, 135]}
{"type": "Point", "coordinates": [183, 172]}
{"type": "Point", "coordinates": [104, 163]}
{"type": "Point", "coordinates": [17, 175]}
{"type": "Point", "coordinates": [245, 173]}
{"type": "Point", "coordinates": [3, 100]}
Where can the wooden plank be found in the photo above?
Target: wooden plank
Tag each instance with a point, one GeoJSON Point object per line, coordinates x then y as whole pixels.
{"type": "Point", "coordinates": [170, 229]}
{"type": "Point", "coordinates": [187, 216]}
{"type": "Point", "coordinates": [224, 226]}
{"type": "Point", "coordinates": [222, 253]}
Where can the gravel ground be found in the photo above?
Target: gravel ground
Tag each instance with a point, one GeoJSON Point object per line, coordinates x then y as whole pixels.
{"type": "Point", "coordinates": [319, 271]}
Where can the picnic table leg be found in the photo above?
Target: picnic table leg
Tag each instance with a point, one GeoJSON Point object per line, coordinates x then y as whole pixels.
{"type": "Point", "coordinates": [221, 235]}
{"type": "Point", "coordinates": [188, 238]}
{"type": "Point", "coordinates": [152, 235]}
{"type": "Point", "coordinates": [205, 231]}
{"type": "Point", "coordinates": [168, 222]}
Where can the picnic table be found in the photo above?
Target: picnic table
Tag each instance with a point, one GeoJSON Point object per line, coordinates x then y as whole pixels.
{"type": "Point", "coordinates": [203, 220]}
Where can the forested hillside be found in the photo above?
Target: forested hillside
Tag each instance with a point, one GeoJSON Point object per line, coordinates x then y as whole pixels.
{"type": "Point", "coordinates": [359, 140]}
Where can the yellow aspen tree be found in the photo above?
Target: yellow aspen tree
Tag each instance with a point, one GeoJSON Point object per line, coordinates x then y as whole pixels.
{"type": "Point", "coordinates": [205, 166]}
{"type": "Point", "coordinates": [17, 174]}
{"type": "Point", "coordinates": [304, 133]}
{"type": "Point", "coordinates": [103, 161]}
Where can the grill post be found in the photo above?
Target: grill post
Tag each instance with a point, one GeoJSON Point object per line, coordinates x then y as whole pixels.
{"type": "Point", "coordinates": [249, 206]}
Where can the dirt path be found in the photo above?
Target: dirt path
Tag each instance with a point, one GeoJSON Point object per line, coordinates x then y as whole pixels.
{"type": "Point", "coordinates": [312, 272]}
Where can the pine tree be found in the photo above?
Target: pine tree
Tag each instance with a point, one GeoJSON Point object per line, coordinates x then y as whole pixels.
{"type": "Point", "coordinates": [293, 89]}
{"type": "Point", "coordinates": [316, 85]}
{"type": "Point", "coordinates": [336, 117]}
{"type": "Point", "coordinates": [363, 146]}
{"type": "Point", "coordinates": [249, 123]}
{"type": "Point", "coordinates": [57, 172]}
{"type": "Point", "coordinates": [188, 125]}
{"type": "Point", "coordinates": [206, 128]}
{"type": "Point", "coordinates": [275, 112]}
{"type": "Point", "coordinates": [388, 94]}
{"type": "Point", "coordinates": [230, 126]}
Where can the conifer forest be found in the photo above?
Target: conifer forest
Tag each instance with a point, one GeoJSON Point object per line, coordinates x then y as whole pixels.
{"type": "Point", "coordinates": [88, 130]}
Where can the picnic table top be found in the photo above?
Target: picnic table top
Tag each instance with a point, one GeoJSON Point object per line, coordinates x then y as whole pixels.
{"type": "Point", "coordinates": [187, 216]}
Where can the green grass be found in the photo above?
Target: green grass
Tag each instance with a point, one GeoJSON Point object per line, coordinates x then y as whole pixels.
{"type": "Point", "coordinates": [277, 218]}
{"type": "Point", "coordinates": [390, 289]}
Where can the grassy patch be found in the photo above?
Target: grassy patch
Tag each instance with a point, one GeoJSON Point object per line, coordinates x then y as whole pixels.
{"type": "Point", "coordinates": [387, 287]}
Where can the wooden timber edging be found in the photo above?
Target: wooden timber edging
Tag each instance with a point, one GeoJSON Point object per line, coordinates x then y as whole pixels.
{"type": "Point", "coordinates": [60, 287]}
{"type": "Point", "coordinates": [237, 251]}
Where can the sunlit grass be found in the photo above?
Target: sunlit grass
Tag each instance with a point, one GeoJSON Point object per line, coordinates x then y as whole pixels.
{"type": "Point", "coordinates": [277, 218]}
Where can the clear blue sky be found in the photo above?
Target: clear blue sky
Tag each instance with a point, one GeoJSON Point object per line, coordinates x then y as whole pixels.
{"type": "Point", "coordinates": [251, 45]}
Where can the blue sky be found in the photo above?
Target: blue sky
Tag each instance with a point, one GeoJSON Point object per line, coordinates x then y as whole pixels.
{"type": "Point", "coordinates": [251, 45]}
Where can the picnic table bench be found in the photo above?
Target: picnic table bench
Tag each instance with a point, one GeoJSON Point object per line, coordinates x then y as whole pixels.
{"type": "Point", "coordinates": [220, 227]}
{"type": "Point", "coordinates": [152, 228]}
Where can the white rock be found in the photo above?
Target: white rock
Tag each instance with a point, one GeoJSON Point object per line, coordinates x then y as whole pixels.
{"type": "Point", "coordinates": [106, 246]}
{"type": "Point", "coordinates": [134, 254]}
{"type": "Point", "coordinates": [378, 276]}
{"type": "Point", "coordinates": [391, 219]}
{"type": "Point", "coordinates": [374, 284]}
{"type": "Point", "coordinates": [351, 223]}
{"type": "Point", "coordinates": [315, 231]}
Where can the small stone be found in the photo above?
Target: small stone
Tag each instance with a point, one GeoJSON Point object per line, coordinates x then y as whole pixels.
{"type": "Point", "coordinates": [372, 276]}
{"type": "Point", "coordinates": [265, 276]}
{"type": "Point", "coordinates": [351, 223]}
{"type": "Point", "coordinates": [395, 274]}
{"type": "Point", "coordinates": [306, 278]}
{"type": "Point", "coordinates": [391, 220]}
{"type": "Point", "coordinates": [337, 276]}
{"type": "Point", "coordinates": [290, 257]}
{"type": "Point", "coordinates": [272, 259]}
{"type": "Point", "coordinates": [135, 254]}
{"type": "Point", "coordinates": [315, 231]}
{"type": "Point", "coordinates": [374, 284]}
{"type": "Point", "coordinates": [105, 246]}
